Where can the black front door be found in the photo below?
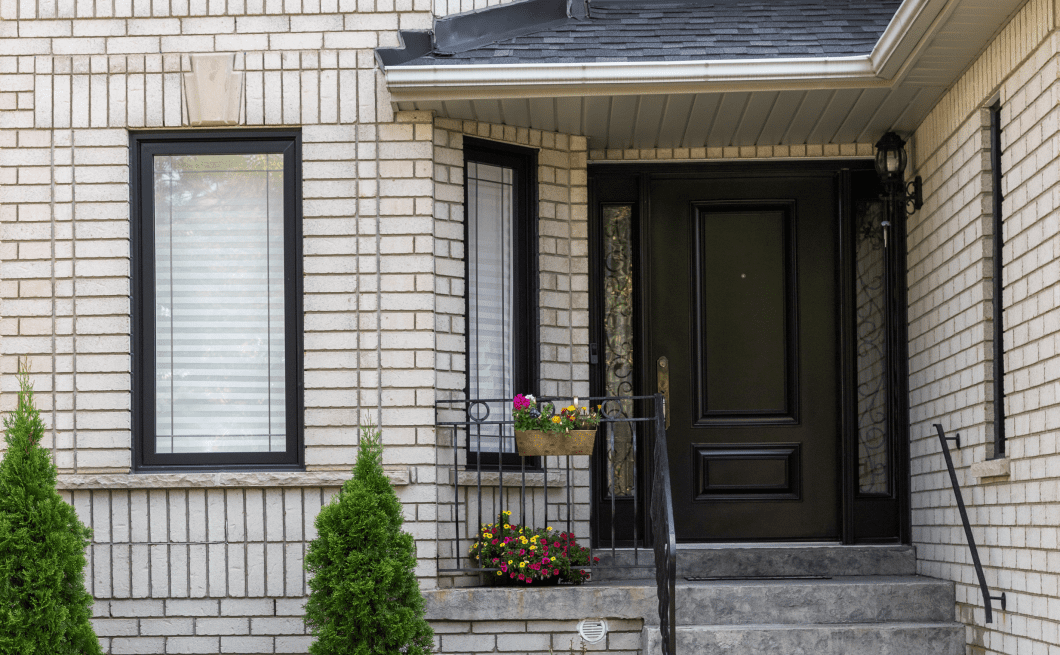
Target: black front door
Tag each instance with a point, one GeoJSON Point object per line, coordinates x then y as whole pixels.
{"type": "Point", "coordinates": [742, 324]}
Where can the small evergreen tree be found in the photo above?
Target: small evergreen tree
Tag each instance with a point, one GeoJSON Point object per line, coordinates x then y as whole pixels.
{"type": "Point", "coordinates": [44, 608]}
{"type": "Point", "coordinates": [364, 597]}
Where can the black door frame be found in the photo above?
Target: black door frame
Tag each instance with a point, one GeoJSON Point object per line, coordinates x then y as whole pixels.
{"type": "Point", "coordinates": [863, 518]}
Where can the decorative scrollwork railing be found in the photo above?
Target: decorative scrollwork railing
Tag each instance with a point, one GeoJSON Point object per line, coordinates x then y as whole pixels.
{"type": "Point", "coordinates": [664, 539]}
{"type": "Point", "coordinates": [967, 525]}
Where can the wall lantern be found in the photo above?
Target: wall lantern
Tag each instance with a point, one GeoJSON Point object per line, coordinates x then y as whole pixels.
{"type": "Point", "coordinates": [890, 166]}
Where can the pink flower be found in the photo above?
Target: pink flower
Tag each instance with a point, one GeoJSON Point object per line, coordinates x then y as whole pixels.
{"type": "Point", "coordinates": [521, 402]}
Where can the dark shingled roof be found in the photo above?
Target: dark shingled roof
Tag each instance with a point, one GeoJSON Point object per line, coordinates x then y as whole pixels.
{"type": "Point", "coordinates": [682, 30]}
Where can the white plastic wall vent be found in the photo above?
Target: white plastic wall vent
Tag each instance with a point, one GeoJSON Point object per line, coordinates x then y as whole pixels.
{"type": "Point", "coordinates": [592, 630]}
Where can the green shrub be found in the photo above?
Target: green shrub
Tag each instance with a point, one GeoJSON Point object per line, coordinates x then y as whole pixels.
{"type": "Point", "coordinates": [364, 597]}
{"type": "Point", "coordinates": [44, 608]}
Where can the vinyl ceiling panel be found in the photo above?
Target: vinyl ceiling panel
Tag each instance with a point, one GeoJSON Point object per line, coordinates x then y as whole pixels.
{"type": "Point", "coordinates": [713, 120]}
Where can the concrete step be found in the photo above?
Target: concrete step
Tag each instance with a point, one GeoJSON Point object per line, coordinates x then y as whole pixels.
{"type": "Point", "coordinates": [741, 561]}
{"type": "Point", "coordinates": [839, 600]}
{"type": "Point", "coordinates": [862, 599]}
{"type": "Point", "coordinates": [840, 639]}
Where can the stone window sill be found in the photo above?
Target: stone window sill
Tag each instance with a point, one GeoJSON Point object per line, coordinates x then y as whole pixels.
{"type": "Point", "coordinates": [512, 479]}
{"type": "Point", "coordinates": [398, 477]}
{"type": "Point", "coordinates": [992, 470]}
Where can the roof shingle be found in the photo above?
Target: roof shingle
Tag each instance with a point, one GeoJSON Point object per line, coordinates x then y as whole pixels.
{"type": "Point", "coordinates": [624, 31]}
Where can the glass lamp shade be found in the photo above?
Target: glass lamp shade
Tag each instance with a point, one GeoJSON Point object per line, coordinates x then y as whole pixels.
{"type": "Point", "coordinates": [890, 157]}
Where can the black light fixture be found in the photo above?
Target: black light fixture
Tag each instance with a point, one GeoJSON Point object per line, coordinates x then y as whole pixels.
{"type": "Point", "coordinates": [890, 166]}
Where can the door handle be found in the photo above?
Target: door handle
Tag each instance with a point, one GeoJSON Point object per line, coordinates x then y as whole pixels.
{"type": "Point", "coordinates": [662, 376]}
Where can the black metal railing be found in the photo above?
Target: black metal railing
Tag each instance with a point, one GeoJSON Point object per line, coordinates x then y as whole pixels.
{"type": "Point", "coordinates": [664, 539]}
{"type": "Point", "coordinates": [987, 598]}
{"type": "Point", "coordinates": [480, 476]}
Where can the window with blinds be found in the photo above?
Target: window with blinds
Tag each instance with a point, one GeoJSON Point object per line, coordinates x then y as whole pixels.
{"type": "Point", "coordinates": [491, 309]}
{"type": "Point", "coordinates": [502, 319]}
{"type": "Point", "coordinates": [218, 303]}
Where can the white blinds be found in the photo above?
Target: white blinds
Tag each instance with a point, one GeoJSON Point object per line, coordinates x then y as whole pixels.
{"type": "Point", "coordinates": [490, 294]}
{"type": "Point", "coordinates": [219, 303]}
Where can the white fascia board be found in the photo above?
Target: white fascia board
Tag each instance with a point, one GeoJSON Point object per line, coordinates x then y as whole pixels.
{"type": "Point", "coordinates": [474, 81]}
{"type": "Point", "coordinates": [611, 78]}
{"type": "Point", "coordinates": [913, 20]}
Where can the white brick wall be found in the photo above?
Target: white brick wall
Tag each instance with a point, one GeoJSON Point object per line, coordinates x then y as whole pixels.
{"type": "Point", "coordinates": [205, 570]}
{"type": "Point", "coordinates": [950, 319]}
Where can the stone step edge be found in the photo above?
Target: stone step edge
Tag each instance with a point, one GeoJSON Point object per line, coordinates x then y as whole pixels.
{"type": "Point", "coordinates": [810, 626]}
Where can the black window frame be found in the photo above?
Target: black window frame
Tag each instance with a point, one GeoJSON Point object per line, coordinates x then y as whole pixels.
{"type": "Point", "coordinates": [998, 282]}
{"type": "Point", "coordinates": [142, 147]}
{"type": "Point", "coordinates": [526, 319]}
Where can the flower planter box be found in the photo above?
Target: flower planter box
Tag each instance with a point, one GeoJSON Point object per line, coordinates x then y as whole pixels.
{"type": "Point", "coordinates": [537, 442]}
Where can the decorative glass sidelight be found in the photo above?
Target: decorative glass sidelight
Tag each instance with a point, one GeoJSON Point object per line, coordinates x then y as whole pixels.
{"type": "Point", "coordinates": [618, 345]}
{"type": "Point", "coordinates": [873, 444]}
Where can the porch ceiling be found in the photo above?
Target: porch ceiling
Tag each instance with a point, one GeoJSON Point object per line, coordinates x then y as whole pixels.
{"type": "Point", "coordinates": [713, 103]}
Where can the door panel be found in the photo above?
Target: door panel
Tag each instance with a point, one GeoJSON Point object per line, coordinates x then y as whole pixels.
{"type": "Point", "coordinates": [742, 302]}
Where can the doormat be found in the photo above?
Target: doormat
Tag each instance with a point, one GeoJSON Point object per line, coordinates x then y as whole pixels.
{"type": "Point", "coordinates": [755, 577]}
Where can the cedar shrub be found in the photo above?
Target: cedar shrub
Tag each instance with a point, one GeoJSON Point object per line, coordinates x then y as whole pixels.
{"type": "Point", "coordinates": [364, 597]}
{"type": "Point", "coordinates": [44, 608]}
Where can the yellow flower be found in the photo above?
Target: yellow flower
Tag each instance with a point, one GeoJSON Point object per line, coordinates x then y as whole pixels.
{"type": "Point", "coordinates": [550, 528]}
{"type": "Point", "coordinates": [500, 572]}
{"type": "Point", "coordinates": [571, 408]}
{"type": "Point", "coordinates": [533, 547]}
{"type": "Point", "coordinates": [507, 512]}
{"type": "Point", "coordinates": [507, 527]}
{"type": "Point", "coordinates": [522, 564]}
{"type": "Point", "coordinates": [556, 419]}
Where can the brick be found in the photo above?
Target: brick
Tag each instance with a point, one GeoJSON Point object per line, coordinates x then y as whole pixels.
{"type": "Point", "coordinates": [277, 626]}
{"type": "Point", "coordinates": [193, 645]}
{"type": "Point", "coordinates": [193, 607]}
{"type": "Point", "coordinates": [226, 626]}
{"type": "Point", "coordinates": [468, 643]}
{"type": "Point", "coordinates": [137, 645]}
{"type": "Point", "coordinates": [136, 608]}
{"type": "Point", "coordinates": [247, 645]}
{"type": "Point", "coordinates": [293, 644]}
{"type": "Point", "coordinates": [180, 626]}
{"type": "Point", "coordinates": [114, 627]}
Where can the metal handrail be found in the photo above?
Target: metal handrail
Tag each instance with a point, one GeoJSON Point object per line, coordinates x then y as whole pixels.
{"type": "Point", "coordinates": [664, 539]}
{"type": "Point", "coordinates": [967, 526]}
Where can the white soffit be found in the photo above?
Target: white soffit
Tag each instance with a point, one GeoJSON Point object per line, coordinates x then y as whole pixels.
{"type": "Point", "coordinates": [724, 102]}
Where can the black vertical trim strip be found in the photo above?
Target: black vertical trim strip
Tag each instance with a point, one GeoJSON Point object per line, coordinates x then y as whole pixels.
{"type": "Point", "coordinates": [846, 317]}
{"type": "Point", "coordinates": [998, 281]}
{"type": "Point", "coordinates": [899, 356]}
